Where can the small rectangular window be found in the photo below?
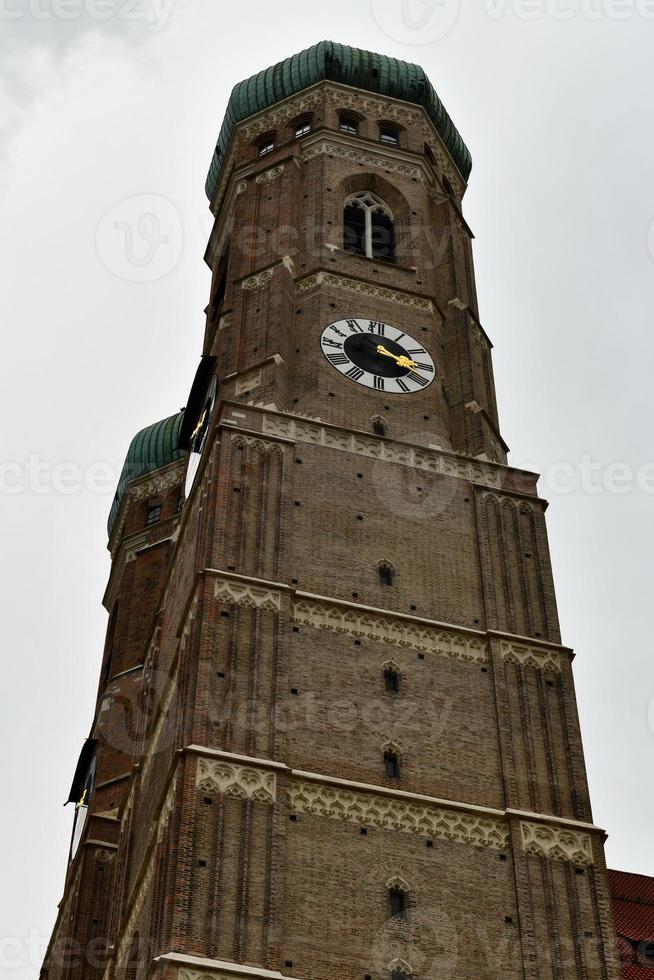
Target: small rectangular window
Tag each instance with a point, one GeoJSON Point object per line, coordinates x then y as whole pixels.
{"type": "Point", "coordinates": [267, 146]}
{"type": "Point", "coordinates": [389, 134]}
{"type": "Point", "coordinates": [154, 515]}
{"type": "Point", "coordinates": [349, 124]}
{"type": "Point", "coordinates": [302, 129]}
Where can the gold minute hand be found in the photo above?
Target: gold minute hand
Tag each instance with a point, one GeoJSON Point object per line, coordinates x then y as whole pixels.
{"type": "Point", "coordinates": [402, 360]}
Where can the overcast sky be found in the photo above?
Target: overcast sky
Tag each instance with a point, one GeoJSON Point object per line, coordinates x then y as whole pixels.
{"type": "Point", "coordinates": [121, 115]}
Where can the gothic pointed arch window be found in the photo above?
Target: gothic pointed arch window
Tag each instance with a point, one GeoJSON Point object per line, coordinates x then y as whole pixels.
{"type": "Point", "coordinates": [392, 768]}
{"type": "Point", "coordinates": [368, 227]}
{"type": "Point", "coordinates": [392, 678]}
{"type": "Point", "coordinates": [398, 898]}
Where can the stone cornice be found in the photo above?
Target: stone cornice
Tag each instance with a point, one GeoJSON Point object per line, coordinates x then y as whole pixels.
{"type": "Point", "coordinates": [365, 804]}
{"type": "Point", "coordinates": [300, 428]}
{"type": "Point", "coordinates": [199, 968]}
{"type": "Point", "coordinates": [322, 277]}
{"type": "Point", "coordinates": [344, 96]}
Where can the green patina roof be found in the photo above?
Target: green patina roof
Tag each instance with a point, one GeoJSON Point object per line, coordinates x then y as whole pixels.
{"type": "Point", "coordinates": [149, 450]}
{"type": "Point", "coordinates": [337, 63]}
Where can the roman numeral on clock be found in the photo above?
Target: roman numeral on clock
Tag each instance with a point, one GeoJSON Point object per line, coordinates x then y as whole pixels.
{"type": "Point", "coordinates": [354, 373]}
{"type": "Point", "coordinates": [417, 350]}
{"type": "Point", "coordinates": [354, 326]}
{"type": "Point", "coordinates": [424, 367]}
{"type": "Point", "coordinates": [379, 383]}
{"type": "Point", "coordinates": [423, 382]}
{"type": "Point", "coordinates": [338, 359]}
{"type": "Point", "coordinates": [376, 327]}
{"type": "Point", "coordinates": [332, 343]}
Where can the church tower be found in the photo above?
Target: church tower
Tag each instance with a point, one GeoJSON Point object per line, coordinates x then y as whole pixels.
{"type": "Point", "coordinates": [336, 731]}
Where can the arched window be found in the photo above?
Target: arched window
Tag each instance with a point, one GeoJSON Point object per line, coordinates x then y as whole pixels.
{"type": "Point", "coordinates": [302, 126]}
{"type": "Point", "coordinates": [388, 133]}
{"type": "Point", "coordinates": [391, 679]}
{"type": "Point", "coordinates": [379, 426]}
{"type": "Point", "coordinates": [386, 573]}
{"type": "Point", "coordinates": [391, 763]}
{"type": "Point", "coordinates": [398, 901]}
{"type": "Point", "coordinates": [349, 124]}
{"type": "Point", "coordinates": [368, 227]}
{"type": "Point", "coordinates": [266, 145]}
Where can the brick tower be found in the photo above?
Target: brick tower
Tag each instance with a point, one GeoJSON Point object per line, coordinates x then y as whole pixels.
{"type": "Point", "coordinates": [336, 732]}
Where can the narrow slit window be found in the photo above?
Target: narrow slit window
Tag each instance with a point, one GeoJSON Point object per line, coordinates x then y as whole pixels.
{"type": "Point", "coordinates": [392, 680]}
{"type": "Point", "coordinates": [391, 764]}
{"type": "Point", "coordinates": [386, 575]}
{"type": "Point", "coordinates": [398, 903]}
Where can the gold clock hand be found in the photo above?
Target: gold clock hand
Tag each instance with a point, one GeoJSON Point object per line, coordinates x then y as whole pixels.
{"type": "Point", "coordinates": [402, 359]}
{"type": "Point", "coordinates": [198, 427]}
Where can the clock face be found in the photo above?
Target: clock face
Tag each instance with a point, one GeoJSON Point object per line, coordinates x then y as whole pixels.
{"type": "Point", "coordinates": [378, 355]}
{"type": "Point", "coordinates": [199, 437]}
{"type": "Point", "coordinates": [82, 810]}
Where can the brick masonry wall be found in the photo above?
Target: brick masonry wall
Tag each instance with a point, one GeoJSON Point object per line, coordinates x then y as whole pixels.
{"type": "Point", "coordinates": [254, 822]}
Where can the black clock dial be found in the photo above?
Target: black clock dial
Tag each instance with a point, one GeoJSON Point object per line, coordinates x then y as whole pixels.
{"type": "Point", "coordinates": [378, 355]}
{"type": "Point", "coordinates": [362, 350]}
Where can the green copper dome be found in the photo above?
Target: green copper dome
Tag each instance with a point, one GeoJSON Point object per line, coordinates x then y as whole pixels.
{"type": "Point", "coordinates": [349, 66]}
{"type": "Point", "coordinates": [149, 450]}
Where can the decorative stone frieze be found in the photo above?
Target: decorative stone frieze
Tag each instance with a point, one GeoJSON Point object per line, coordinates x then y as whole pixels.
{"type": "Point", "coordinates": [246, 382]}
{"type": "Point", "coordinates": [268, 176]}
{"type": "Point", "coordinates": [525, 655]}
{"type": "Point", "coordinates": [432, 460]}
{"type": "Point", "coordinates": [379, 160]}
{"type": "Point", "coordinates": [370, 810]}
{"type": "Point", "coordinates": [258, 280]}
{"type": "Point", "coordinates": [157, 484]}
{"type": "Point", "coordinates": [279, 116]}
{"type": "Point", "coordinates": [240, 782]}
{"type": "Point", "coordinates": [247, 595]}
{"type": "Point", "coordinates": [390, 630]}
{"type": "Point", "coordinates": [518, 503]}
{"type": "Point", "coordinates": [261, 445]}
{"type": "Point", "coordinates": [365, 289]}
{"type": "Point", "coordinates": [557, 843]}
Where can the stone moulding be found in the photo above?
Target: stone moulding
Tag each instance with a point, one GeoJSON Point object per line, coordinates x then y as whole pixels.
{"type": "Point", "coordinates": [258, 280]}
{"type": "Point", "coordinates": [431, 460]}
{"type": "Point", "coordinates": [268, 176]}
{"type": "Point", "coordinates": [238, 781]}
{"type": "Point", "coordinates": [389, 814]}
{"type": "Point", "coordinates": [247, 595]}
{"type": "Point", "coordinates": [365, 159]}
{"type": "Point", "coordinates": [522, 655]}
{"type": "Point", "coordinates": [389, 630]}
{"type": "Point", "coordinates": [557, 844]}
{"type": "Point", "coordinates": [365, 289]}
{"type": "Point", "coordinates": [246, 382]}
{"type": "Point", "coordinates": [261, 445]}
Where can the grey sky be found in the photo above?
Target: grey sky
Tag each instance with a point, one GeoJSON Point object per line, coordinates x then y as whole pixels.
{"type": "Point", "coordinates": [557, 112]}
